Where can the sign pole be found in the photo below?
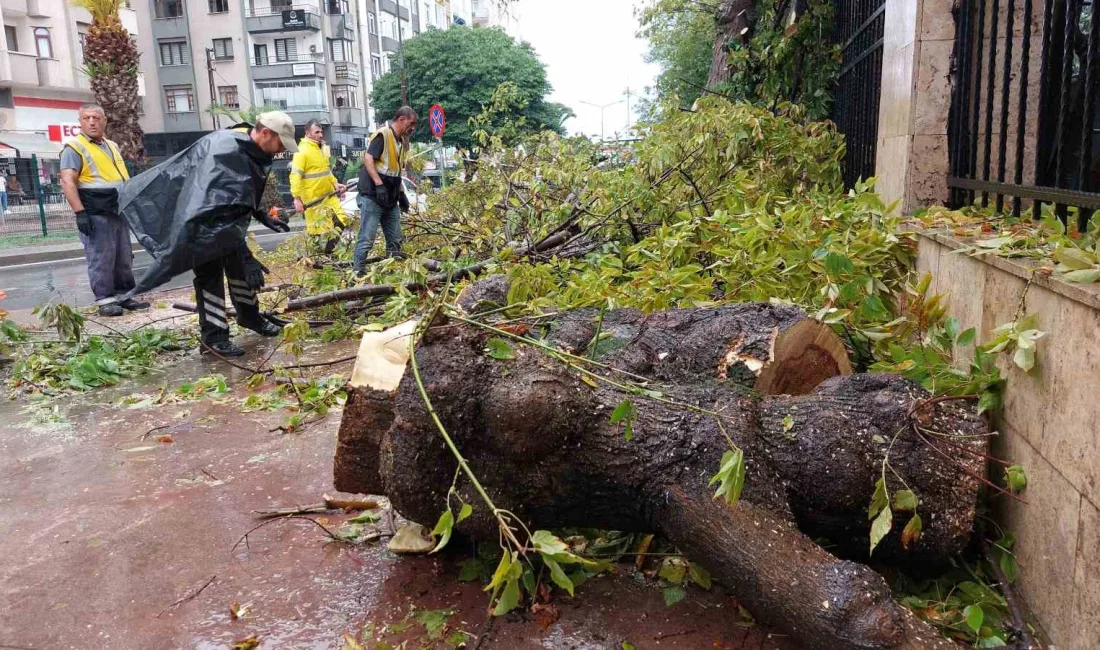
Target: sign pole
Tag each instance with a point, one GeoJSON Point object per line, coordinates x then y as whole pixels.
{"type": "Point", "coordinates": [442, 163]}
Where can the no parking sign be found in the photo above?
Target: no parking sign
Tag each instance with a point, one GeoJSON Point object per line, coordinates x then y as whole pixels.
{"type": "Point", "coordinates": [437, 120]}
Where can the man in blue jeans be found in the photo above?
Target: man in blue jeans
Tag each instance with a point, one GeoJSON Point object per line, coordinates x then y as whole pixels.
{"type": "Point", "coordinates": [381, 196]}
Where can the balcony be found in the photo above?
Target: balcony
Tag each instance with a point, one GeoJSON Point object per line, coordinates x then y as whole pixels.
{"type": "Point", "coordinates": [340, 26]}
{"type": "Point", "coordinates": [22, 8]}
{"type": "Point", "coordinates": [306, 65]}
{"type": "Point", "coordinates": [390, 44]}
{"type": "Point", "coordinates": [349, 117]}
{"type": "Point", "coordinates": [390, 7]}
{"type": "Point", "coordinates": [343, 71]}
{"type": "Point", "coordinates": [49, 72]}
{"type": "Point", "coordinates": [24, 70]}
{"type": "Point", "coordinates": [295, 18]}
{"type": "Point", "coordinates": [170, 28]}
{"type": "Point", "coordinates": [302, 114]}
{"type": "Point", "coordinates": [182, 122]}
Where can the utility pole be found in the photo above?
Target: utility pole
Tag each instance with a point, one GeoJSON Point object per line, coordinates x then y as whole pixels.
{"type": "Point", "coordinates": [629, 118]}
{"type": "Point", "coordinates": [213, 96]}
{"type": "Point", "coordinates": [602, 107]}
{"type": "Point", "coordinates": [401, 52]}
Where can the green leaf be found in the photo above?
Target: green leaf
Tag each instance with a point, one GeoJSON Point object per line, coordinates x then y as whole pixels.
{"type": "Point", "coordinates": [967, 337]}
{"type": "Point", "coordinates": [1074, 258]}
{"type": "Point", "coordinates": [498, 348]}
{"type": "Point", "coordinates": [625, 413]}
{"type": "Point", "coordinates": [992, 642]}
{"type": "Point", "coordinates": [1009, 566]}
{"type": "Point", "coordinates": [558, 576]}
{"type": "Point", "coordinates": [905, 501]}
{"type": "Point", "coordinates": [836, 263]}
{"type": "Point", "coordinates": [547, 543]}
{"type": "Point", "coordinates": [788, 423]}
{"type": "Point", "coordinates": [874, 309]}
{"type": "Point", "coordinates": [699, 575]}
{"type": "Point", "coordinates": [730, 477]}
{"type": "Point", "coordinates": [434, 621]}
{"type": "Point", "coordinates": [1083, 276]}
{"type": "Point", "coordinates": [504, 568]}
{"type": "Point", "coordinates": [464, 512]}
{"type": "Point", "coordinates": [881, 527]}
{"type": "Point", "coordinates": [509, 598]}
{"type": "Point", "coordinates": [879, 500]}
{"type": "Point", "coordinates": [443, 528]}
{"type": "Point", "coordinates": [1016, 477]}
{"type": "Point", "coordinates": [973, 615]}
{"type": "Point", "coordinates": [673, 570]}
{"type": "Point", "coordinates": [628, 646]}
{"type": "Point", "coordinates": [1024, 357]}
{"type": "Point", "coordinates": [471, 569]}
{"type": "Point", "coordinates": [673, 595]}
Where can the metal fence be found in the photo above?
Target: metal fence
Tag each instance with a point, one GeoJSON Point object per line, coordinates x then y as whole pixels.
{"type": "Point", "coordinates": [36, 206]}
{"type": "Point", "coordinates": [1023, 127]}
{"type": "Point", "coordinates": [859, 29]}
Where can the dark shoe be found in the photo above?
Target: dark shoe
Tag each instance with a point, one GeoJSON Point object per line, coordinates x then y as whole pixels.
{"type": "Point", "coordinates": [264, 328]}
{"type": "Point", "coordinates": [133, 305]}
{"type": "Point", "coordinates": [224, 349]}
{"type": "Point", "coordinates": [110, 309]}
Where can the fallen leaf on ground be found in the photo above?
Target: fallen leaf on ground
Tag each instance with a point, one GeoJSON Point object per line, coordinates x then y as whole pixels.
{"type": "Point", "coordinates": [248, 643]}
{"type": "Point", "coordinates": [166, 439]}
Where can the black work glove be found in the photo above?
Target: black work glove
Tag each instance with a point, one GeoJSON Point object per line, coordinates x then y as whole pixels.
{"type": "Point", "coordinates": [254, 273]}
{"type": "Point", "coordinates": [403, 201]}
{"type": "Point", "coordinates": [382, 196]}
{"type": "Point", "coordinates": [274, 223]}
{"type": "Point", "coordinates": [84, 223]}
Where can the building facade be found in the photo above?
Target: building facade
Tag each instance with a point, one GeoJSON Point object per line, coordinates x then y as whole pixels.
{"type": "Point", "coordinates": [42, 83]}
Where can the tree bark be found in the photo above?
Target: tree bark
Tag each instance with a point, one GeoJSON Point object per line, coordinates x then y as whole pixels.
{"type": "Point", "coordinates": [734, 20]}
{"type": "Point", "coordinates": [541, 443]}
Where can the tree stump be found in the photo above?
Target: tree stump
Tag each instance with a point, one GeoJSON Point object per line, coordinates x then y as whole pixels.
{"type": "Point", "coordinates": [540, 441]}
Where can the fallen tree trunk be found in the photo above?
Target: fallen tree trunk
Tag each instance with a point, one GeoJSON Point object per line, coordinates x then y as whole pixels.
{"type": "Point", "coordinates": [540, 441]}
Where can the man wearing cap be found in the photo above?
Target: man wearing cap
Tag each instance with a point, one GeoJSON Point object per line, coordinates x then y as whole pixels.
{"type": "Point", "coordinates": [192, 212]}
{"type": "Point", "coordinates": [92, 170]}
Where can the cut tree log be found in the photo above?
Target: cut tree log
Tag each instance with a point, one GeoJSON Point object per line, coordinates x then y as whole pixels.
{"type": "Point", "coordinates": [540, 441]}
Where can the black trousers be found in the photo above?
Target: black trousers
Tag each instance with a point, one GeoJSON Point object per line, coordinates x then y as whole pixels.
{"type": "Point", "coordinates": [210, 281]}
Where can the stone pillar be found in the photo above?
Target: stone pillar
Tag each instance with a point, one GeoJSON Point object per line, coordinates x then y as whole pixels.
{"type": "Point", "coordinates": [911, 164]}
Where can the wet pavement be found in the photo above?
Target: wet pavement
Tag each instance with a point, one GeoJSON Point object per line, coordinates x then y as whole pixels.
{"type": "Point", "coordinates": [114, 539]}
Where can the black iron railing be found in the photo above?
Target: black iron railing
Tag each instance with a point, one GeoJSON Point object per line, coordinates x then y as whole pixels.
{"type": "Point", "coordinates": [859, 30]}
{"type": "Point", "coordinates": [998, 111]}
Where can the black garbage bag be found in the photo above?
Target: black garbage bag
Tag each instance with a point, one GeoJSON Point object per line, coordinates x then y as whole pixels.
{"type": "Point", "coordinates": [196, 206]}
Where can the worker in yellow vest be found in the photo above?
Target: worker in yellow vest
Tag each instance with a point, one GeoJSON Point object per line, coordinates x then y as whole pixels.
{"type": "Point", "coordinates": [315, 189]}
{"type": "Point", "coordinates": [92, 170]}
{"type": "Point", "coordinates": [381, 195]}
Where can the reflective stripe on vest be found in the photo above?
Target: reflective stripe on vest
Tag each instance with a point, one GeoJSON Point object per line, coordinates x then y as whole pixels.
{"type": "Point", "coordinates": [100, 169]}
{"type": "Point", "coordinates": [393, 157]}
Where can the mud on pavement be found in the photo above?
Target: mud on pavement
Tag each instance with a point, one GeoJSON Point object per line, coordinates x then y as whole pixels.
{"type": "Point", "coordinates": [114, 539]}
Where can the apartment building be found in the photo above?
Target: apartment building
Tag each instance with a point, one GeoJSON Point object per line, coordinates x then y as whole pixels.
{"type": "Point", "coordinates": [303, 56]}
{"type": "Point", "coordinates": [488, 13]}
{"type": "Point", "coordinates": [41, 81]}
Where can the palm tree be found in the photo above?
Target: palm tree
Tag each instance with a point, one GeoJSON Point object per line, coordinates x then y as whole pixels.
{"type": "Point", "coordinates": [111, 63]}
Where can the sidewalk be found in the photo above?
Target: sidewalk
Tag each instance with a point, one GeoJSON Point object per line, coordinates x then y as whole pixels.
{"type": "Point", "coordinates": [75, 250]}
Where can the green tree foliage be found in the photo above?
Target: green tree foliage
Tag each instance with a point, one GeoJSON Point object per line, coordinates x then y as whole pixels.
{"type": "Point", "coordinates": [790, 55]}
{"type": "Point", "coordinates": [681, 41]}
{"type": "Point", "coordinates": [460, 69]}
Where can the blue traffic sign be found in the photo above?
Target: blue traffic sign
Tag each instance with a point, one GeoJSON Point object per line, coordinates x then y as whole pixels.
{"type": "Point", "coordinates": [437, 120]}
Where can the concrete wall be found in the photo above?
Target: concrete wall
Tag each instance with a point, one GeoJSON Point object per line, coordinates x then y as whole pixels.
{"type": "Point", "coordinates": [1050, 425]}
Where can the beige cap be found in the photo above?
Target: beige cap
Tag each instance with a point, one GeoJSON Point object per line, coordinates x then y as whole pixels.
{"type": "Point", "coordinates": [282, 124]}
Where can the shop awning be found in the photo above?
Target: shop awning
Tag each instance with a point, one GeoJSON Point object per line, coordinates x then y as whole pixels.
{"type": "Point", "coordinates": [24, 144]}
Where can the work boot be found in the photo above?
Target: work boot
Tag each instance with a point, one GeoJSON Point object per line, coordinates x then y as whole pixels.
{"type": "Point", "coordinates": [110, 309]}
{"type": "Point", "coordinates": [133, 305]}
{"type": "Point", "coordinates": [264, 328]}
{"type": "Point", "coordinates": [223, 349]}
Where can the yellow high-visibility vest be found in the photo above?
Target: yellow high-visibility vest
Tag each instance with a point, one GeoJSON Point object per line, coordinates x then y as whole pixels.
{"type": "Point", "coordinates": [312, 181]}
{"type": "Point", "coordinates": [394, 156]}
{"type": "Point", "coordinates": [100, 170]}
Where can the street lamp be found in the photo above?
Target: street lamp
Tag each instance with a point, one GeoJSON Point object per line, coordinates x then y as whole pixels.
{"type": "Point", "coordinates": [602, 107]}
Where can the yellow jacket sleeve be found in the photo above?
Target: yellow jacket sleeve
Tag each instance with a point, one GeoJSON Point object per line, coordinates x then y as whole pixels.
{"type": "Point", "coordinates": [297, 170]}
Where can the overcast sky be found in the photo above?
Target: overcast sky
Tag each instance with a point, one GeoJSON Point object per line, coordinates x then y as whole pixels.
{"type": "Point", "coordinates": [591, 55]}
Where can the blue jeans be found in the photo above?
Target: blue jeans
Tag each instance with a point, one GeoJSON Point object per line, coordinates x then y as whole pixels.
{"type": "Point", "coordinates": [371, 215]}
{"type": "Point", "coordinates": [4, 201]}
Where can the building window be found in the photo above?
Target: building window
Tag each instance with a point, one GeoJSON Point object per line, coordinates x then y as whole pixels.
{"type": "Point", "coordinates": [174, 53]}
{"type": "Point", "coordinates": [218, 6]}
{"type": "Point", "coordinates": [10, 37]}
{"type": "Point", "coordinates": [180, 99]}
{"type": "Point", "coordinates": [375, 66]}
{"type": "Point", "coordinates": [293, 95]}
{"type": "Point", "coordinates": [168, 8]}
{"type": "Point", "coordinates": [341, 50]}
{"type": "Point", "coordinates": [282, 4]}
{"type": "Point", "coordinates": [344, 97]}
{"type": "Point", "coordinates": [82, 36]}
{"type": "Point", "coordinates": [372, 22]}
{"type": "Point", "coordinates": [286, 49]}
{"type": "Point", "coordinates": [42, 42]}
{"type": "Point", "coordinates": [336, 6]}
{"type": "Point", "coordinates": [227, 97]}
{"type": "Point", "coordinates": [223, 48]}
{"type": "Point", "coordinates": [260, 51]}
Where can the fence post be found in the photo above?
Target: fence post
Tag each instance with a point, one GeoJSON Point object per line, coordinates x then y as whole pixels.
{"type": "Point", "coordinates": [38, 194]}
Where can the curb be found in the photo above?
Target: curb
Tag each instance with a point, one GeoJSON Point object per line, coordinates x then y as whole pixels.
{"type": "Point", "coordinates": [75, 251]}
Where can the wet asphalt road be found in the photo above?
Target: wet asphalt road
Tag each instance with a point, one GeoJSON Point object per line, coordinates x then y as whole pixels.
{"type": "Point", "coordinates": [30, 285]}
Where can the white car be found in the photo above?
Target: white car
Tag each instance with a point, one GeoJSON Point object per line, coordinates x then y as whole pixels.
{"type": "Point", "coordinates": [418, 202]}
